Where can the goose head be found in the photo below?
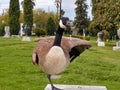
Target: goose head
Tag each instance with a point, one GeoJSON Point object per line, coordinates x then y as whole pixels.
{"type": "Point", "coordinates": [65, 22]}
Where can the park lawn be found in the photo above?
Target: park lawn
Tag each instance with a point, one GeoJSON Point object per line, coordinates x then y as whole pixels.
{"type": "Point", "coordinates": [98, 66]}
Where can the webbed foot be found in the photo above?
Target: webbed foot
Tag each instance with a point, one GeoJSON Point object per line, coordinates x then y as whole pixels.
{"type": "Point", "coordinates": [55, 88]}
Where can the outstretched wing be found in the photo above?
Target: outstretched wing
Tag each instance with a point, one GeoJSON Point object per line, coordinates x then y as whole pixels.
{"type": "Point", "coordinates": [74, 46]}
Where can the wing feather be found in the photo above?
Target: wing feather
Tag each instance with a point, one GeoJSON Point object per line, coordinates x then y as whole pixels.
{"type": "Point", "coordinates": [72, 47]}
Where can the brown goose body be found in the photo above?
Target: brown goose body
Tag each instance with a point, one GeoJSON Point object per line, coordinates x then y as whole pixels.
{"type": "Point", "coordinates": [56, 61]}
{"type": "Point", "coordinates": [53, 54]}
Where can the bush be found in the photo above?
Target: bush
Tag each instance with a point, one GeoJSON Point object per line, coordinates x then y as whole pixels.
{"type": "Point", "coordinates": [106, 35]}
{"type": "Point", "coordinates": [39, 32]}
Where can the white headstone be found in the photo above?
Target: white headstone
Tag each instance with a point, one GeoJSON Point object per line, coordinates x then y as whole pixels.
{"type": "Point", "coordinates": [117, 47]}
{"type": "Point", "coordinates": [34, 25]}
{"type": "Point", "coordinates": [118, 33]}
{"type": "Point", "coordinates": [83, 33]}
{"type": "Point", "coordinates": [101, 43]}
{"type": "Point", "coordinates": [26, 38]}
{"type": "Point", "coordinates": [7, 32]}
{"type": "Point", "coordinates": [21, 29]}
{"type": "Point", "coordinates": [74, 30]}
{"type": "Point", "coordinates": [100, 36]}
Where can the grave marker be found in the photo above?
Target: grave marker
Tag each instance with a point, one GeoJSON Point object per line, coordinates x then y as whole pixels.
{"type": "Point", "coordinates": [7, 32]}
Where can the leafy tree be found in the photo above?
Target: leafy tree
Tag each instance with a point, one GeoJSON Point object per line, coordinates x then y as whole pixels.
{"type": "Point", "coordinates": [4, 20]}
{"type": "Point", "coordinates": [41, 18]}
{"type": "Point", "coordinates": [28, 13]}
{"type": "Point", "coordinates": [4, 17]}
{"type": "Point", "coordinates": [61, 12]}
{"type": "Point", "coordinates": [81, 20]}
{"type": "Point", "coordinates": [14, 14]}
{"type": "Point", "coordinates": [57, 6]}
{"type": "Point", "coordinates": [106, 15]}
{"type": "Point", "coordinates": [51, 27]}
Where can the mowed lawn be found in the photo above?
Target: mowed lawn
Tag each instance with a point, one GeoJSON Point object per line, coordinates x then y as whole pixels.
{"type": "Point", "coordinates": [98, 66]}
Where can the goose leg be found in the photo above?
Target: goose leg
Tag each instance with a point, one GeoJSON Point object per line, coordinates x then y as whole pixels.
{"type": "Point", "coordinates": [52, 86]}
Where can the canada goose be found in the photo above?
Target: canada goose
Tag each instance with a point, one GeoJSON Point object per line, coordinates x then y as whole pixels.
{"type": "Point", "coordinates": [53, 54]}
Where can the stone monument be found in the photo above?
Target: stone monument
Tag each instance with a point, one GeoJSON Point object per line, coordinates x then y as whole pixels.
{"type": "Point", "coordinates": [7, 32]}
{"type": "Point", "coordinates": [117, 47]}
{"type": "Point", "coordinates": [26, 37]}
{"type": "Point", "coordinates": [74, 30]}
{"type": "Point", "coordinates": [21, 32]}
{"type": "Point", "coordinates": [118, 33]}
{"type": "Point", "coordinates": [100, 39]}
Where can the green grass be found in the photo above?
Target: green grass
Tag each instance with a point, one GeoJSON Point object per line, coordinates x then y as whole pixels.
{"type": "Point", "coordinates": [97, 66]}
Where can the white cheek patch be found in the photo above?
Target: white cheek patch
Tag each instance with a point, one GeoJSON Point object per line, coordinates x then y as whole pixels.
{"type": "Point", "coordinates": [61, 24]}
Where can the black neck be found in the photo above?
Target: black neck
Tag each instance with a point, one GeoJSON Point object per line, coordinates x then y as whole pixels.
{"type": "Point", "coordinates": [58, 37]}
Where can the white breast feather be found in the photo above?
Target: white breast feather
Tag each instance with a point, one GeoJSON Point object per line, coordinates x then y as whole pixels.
{"type": "Point", "coordinates": [55, 61]}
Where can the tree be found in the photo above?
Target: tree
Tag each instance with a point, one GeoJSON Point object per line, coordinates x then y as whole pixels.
{"type": "Point", "coordinates": [51, 27]}
{"type": "Point", "coordinates": [4, 17]}
{"type": "Point", "coordinates": [81, 20]}
{"type": "Point", "coordinates": [106, 15]}
{"type": "Point", "coordinates": [28, 13]}
{"type": "Point", "coordinates": [60, 11]}
{"type": "Point", "coordinates": [57, 6]}
{"type": "Point", "coordinates": [41, 18]}
{"type": "Point", "coordinates": [14, 14]}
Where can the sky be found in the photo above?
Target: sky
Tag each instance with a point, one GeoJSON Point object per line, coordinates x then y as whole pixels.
{"type": "Point", "coordinates": [49, 6]}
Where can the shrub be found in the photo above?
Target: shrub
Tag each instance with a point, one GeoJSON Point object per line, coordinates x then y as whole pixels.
{"type": "Point", "coordinates": [106, 35]}
{"type": "Point", "coordinates": [39, 32]}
